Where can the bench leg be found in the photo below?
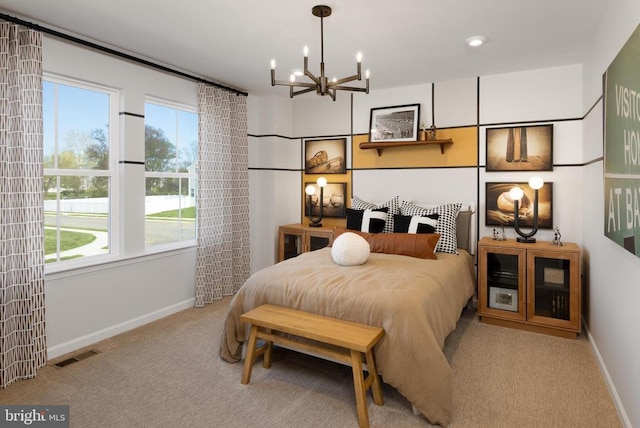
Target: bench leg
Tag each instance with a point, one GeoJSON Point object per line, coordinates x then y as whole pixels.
{"type": "Point", "coordinates": [248, 359]}
{"type": "Point", "coordinates": [358, 384]}
{"type": "Point", "coordinates": [376, 387]}
{"type": "Point", "coordinates": [266, 362]}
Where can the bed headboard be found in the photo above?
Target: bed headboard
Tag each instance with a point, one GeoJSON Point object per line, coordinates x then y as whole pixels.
{"type": "Point", "coordinates": [465, 228]}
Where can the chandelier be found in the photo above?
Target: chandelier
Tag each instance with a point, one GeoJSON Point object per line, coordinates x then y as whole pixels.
{"type": "Point", "coordinates": [321, 84]}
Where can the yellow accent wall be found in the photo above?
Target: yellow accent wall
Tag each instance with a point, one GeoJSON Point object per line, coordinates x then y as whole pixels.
{"type": "Point", "coordinates": [463, 152]}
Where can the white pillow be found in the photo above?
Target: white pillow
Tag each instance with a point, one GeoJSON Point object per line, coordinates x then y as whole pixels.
{"type": "Point", "coordinates": [350, 249]}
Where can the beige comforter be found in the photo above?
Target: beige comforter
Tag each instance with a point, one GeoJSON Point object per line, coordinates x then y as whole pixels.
{"type": "Point", "coordinates": [416, 301]}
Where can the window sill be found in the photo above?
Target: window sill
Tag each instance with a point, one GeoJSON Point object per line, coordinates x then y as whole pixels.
{"type": "Point", "coordinates": [99, 263]}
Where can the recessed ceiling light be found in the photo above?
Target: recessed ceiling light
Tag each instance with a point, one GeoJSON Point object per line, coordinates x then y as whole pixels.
{"type": "Point", "coordinates": [475, 41]}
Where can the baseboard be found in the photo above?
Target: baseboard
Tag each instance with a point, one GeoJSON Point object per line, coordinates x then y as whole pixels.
{"type": "Point", "coordinates": [624, 418]}
{"type": "Point", "coordinates": [89, 339]}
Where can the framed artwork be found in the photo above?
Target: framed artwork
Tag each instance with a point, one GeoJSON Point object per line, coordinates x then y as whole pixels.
{"type": "Point", "coordinates": [499, 205]}
{"type": "Point", "coordinates": [621, 133]}
{"type": "Point", "coordinates": [334, 195]}
{"type": "Point", "coordinates": [397, 123]}
{"type": "Point", "coordinates": [327, 156]}
{"type": "Point", "coordinates": [520, 148]}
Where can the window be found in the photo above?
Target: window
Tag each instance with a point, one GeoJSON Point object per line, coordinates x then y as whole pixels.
{"type": "Point", "coordinates": [171, 154]}
{"type": "Point", "coordinates": [78, 170]}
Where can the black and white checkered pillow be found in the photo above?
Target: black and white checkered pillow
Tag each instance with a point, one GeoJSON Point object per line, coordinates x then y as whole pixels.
{"type": "Point", "coordinates": [393, 205]}
{"type": "Point", "coordinates": [446, 227]}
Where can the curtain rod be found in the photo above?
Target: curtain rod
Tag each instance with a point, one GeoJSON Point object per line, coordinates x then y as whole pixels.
{"type": "Point", "coordinates": [114, 52]}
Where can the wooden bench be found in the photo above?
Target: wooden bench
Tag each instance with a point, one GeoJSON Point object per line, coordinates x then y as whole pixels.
{"type": "Point", "coordinates": [352, 339]}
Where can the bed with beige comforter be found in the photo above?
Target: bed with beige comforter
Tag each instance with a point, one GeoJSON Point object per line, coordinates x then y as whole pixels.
{"type": "Point", "coordinates": [418, 303]}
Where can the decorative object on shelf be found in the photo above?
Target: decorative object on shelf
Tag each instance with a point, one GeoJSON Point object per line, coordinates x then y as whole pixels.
{"type": "Point", "coordinates": [431, 133]}
{"type": "Point", "coordinates": [321, 84]}
{"type": "Point", "coordinates": [499, 236]}
{"type": "Point", "coordinates": [422, 136]}
{"type": "Point", "coordinates": [310, 190]}
{"type": "Point", "coordinates": [325, 156]}
{"type": "Point", "coordinates": [499, 205]}
{"type": "Point", "coordinates": [516, 194]}
{"type": "Point", "coordinates": [396, 123]}
{"type": "Point", "coordinates": [557, 236]}
{"type": "Point", "coordinates": [521, 148]}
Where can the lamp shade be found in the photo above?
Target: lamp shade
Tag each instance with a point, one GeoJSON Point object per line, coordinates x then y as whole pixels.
{"type": "Point", "coordinates": [516, 193]}
{"type": "Point", "coordinates": [536, 182]}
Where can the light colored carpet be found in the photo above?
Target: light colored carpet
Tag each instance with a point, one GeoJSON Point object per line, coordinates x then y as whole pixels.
{"type": "Point", "coordinates": [168, 374]}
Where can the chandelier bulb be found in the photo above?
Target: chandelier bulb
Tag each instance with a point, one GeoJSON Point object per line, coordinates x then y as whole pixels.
{"type": "Point", "coordinates": [305, 50]}
{"type": "Point", "coordinates": [273, 64]}
{"type": "Point", "coordinates": [292, 78]}
{"type": "Point", "coordinates": [359, 57]}
{"type": "Point", "coordinates": [367, 74]}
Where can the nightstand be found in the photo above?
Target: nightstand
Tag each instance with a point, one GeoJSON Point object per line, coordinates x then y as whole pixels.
{"type": "Point", "coordinates": [535, 287]}
{"type": "Point", "coordinates": [295, 239]}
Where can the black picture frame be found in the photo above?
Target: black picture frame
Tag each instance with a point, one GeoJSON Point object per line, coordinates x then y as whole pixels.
{"type": "Point", "coordinates": [519, 148]}
{"type": "Point", "coordinates": [395, 123]}
{"type": "Point", "coordinates": [335, 195]}
{"type": "Point", "coordinates": [325, 156]}
{"type": "Point", "coordinates": [499, 207]}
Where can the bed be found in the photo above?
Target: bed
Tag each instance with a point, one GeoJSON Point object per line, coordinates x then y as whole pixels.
{"type": "Point", "coordinates": [417, 301]}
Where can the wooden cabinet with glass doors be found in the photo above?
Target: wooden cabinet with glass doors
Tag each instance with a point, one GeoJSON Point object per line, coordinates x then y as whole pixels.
{"type": "Point", "coordinates": [295, 239]}
{"type": "Point", "coordinates": [534, 287]}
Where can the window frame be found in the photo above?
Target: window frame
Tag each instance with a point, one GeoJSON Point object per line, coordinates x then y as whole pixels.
{"type": "Point", "coordinates": [111, 174]}
{"type": "Point", "coordinates": [187, 243]}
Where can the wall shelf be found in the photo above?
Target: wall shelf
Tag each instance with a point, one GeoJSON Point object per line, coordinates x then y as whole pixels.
{"type": "Point", "coordinates": [380, 145]}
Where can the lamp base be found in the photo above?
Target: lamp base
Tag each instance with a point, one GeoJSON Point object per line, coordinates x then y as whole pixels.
{"type": "Point", "coordinates": [320, 225]}
{"type": "Point", "coordinates": [526, 240]}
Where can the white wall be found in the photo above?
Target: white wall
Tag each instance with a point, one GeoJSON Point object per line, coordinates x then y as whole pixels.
{"type": "Point", "coordinates": [89, 304]}
{"type": "Point", "coordinates": [612, 274]}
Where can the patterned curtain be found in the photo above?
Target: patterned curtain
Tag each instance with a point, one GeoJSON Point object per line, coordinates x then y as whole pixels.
{"type": "Point", "coordinates": [222, 263]}
{"type": "Point", "coordinates": [23, 347]}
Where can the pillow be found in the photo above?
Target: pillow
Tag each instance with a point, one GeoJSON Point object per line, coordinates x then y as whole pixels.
{"type": "Point", "coordinates": [404, 244]}
{"type": "Point", "coordinates": [393, 205]}
{"type": "Point", "coordinates": [371, 221]}
{"type": "Point", "coordinates": [415, 224]}
{"type": "Point", "coordinates": [446, 223]}
{"type": "Point", "coordinates": [350, 249]}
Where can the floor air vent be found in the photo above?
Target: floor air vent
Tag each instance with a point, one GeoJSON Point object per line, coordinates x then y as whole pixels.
{"type": "Point", "coordinates": [76, 358]}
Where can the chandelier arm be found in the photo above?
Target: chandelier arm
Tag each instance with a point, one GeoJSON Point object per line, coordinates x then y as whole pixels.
{"type": "Point", "coordinates": [311, 76]}
{"type": "Point", "coordinates": [332, 93]}
{"type": "Point", "coordinates": [308, 73]}
{"type": "Point", "coordinates": [302, 91]}
{"type": "Point", "coordinates": [295, 84]}
{"type": "Point", "coordinates": [348, 88]}
{"type": "Point", "coordinates": [344, 80]}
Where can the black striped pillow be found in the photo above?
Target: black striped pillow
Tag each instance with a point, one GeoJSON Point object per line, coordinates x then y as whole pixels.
{"type": "Point", "coordinates": [370, 221]}
{"type": "Point", "coordinates": [415, 224]}
{"type": "Point", "coordinates": [393, 206]}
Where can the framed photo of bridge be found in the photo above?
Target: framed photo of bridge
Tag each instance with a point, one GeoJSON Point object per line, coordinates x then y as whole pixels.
{"type": "Point", "coordinates": [328, 156]}
{"type": "Point", "coordinates": [396, 123]}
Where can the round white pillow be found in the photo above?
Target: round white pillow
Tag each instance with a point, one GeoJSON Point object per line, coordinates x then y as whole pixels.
{"type": "Point", "coordinates": [350, 249]}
